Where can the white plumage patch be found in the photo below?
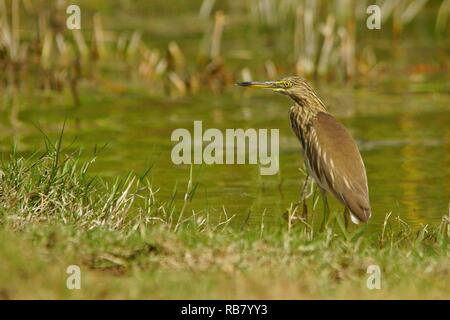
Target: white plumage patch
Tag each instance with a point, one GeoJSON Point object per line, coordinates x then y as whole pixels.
{"type": "Point", "coordinates": [354, 219]}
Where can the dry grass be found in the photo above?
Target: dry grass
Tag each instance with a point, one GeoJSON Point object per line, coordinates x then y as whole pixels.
{"type": "Point", "coordinates": [129, 244]}
{"type": "Point", "coordinates": [318, 39]}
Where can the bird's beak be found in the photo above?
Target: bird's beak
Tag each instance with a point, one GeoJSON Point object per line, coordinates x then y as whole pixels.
{"type": "Point", "coordinates": [274, 85]}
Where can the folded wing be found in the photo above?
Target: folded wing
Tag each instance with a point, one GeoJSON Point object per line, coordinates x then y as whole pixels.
{"type": "Point", "coordinates": [336, 162]}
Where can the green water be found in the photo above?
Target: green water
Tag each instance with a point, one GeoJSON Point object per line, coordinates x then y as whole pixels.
{"type": "Point", "coordinates": [401, 123]}
{"type": "Point", "coordinates": [403, 135]}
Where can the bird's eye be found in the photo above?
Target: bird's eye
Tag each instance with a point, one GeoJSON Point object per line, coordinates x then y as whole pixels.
{"type": "Point", "coordinates": [287, 84]}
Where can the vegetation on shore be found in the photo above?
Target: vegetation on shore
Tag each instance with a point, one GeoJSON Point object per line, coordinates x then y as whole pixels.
{"type": "Point", "coordinates": [131, 244]}
{"type": "Point", "coordinates": [316, 39]}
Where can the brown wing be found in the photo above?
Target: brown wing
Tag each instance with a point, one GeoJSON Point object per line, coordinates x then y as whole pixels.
{"type": "Point", "coordinates": [336, 161]}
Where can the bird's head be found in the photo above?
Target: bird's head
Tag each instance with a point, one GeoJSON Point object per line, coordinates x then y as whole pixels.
{"type": "Point", "coordinates": [295, 87]}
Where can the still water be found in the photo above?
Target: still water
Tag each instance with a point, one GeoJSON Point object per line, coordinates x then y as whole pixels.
{"type": "Point", "coordinates": [403, 134]}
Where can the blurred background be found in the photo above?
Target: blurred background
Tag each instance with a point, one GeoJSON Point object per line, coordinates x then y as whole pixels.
{"type": "Point", "coordinates": [137, 70]}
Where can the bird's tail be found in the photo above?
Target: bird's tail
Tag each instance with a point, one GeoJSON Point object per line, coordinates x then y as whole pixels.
{"type": "Point", "coordinates": [359, 207]}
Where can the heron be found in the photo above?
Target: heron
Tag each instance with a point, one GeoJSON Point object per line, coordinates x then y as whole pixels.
{"type": "Point", "coordinates": [331, 155]}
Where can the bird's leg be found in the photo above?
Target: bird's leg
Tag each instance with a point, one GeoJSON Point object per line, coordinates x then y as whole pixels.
{"type": "Point", "coordinates": [346, 217]}
{"type": "Point", "coordinates": [303, 189]}
{"type": "Point", "coordinates": [326, 210]}
{"type": "Point", "coordinates": [302, 198]}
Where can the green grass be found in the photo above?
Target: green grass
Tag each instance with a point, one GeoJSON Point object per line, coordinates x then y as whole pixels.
{"type": "Point", "coordinates": [131, 244]}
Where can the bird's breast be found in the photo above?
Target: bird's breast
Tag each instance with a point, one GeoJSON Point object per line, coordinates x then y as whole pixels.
{"type": "Point", "coordinates": [299, 121]}
{"type": "Point", "coordinates": [301, 124]}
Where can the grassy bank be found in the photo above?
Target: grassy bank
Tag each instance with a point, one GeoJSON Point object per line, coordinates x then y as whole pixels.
{"type": "Point", "coordinates": [130, 244]}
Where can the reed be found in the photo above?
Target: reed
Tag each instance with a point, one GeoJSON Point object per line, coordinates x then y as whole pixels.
{"type": "Point", "coordinates": [206, 9]}
{"type": "Point", "coordinates": [317, 38]}
{"type": "Point", "coordinates": [442, 21]}
{"type": "Point", "coordinates": [219, 24]}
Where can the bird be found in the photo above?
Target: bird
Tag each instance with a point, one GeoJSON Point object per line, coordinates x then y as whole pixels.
{"type": "Point", "coordinates": [331, 155]}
